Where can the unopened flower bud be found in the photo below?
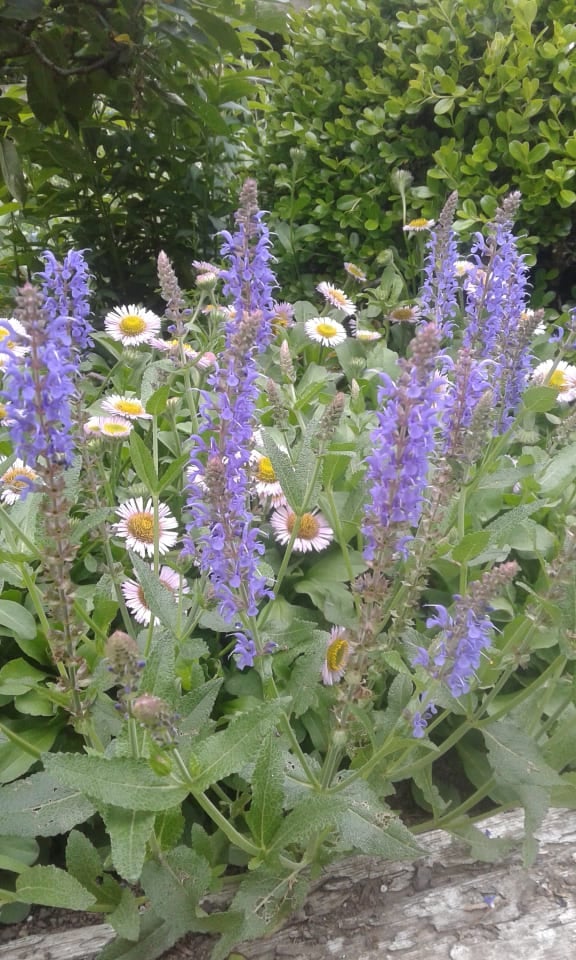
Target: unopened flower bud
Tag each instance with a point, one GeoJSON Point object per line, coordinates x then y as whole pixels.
{"type": "Point", "coordinates": [155, 714]}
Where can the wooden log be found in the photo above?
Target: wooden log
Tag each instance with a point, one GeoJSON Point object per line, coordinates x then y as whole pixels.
{"type": "Point", "coordinates": [445, 906]}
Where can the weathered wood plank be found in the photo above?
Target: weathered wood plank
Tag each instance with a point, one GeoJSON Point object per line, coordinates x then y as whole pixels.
{"type": "Point", "coordinates": [446, 906]}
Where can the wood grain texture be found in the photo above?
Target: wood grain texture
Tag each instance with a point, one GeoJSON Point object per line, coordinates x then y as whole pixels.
{"type": "Point", "coordinates": [369, 909]}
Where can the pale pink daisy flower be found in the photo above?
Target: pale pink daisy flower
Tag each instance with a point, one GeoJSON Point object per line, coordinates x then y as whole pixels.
{"type": "Point", "coordinates": [136, 601]}
{"type": "Point", "coordinates": [114, 427]}
{"type": "Point", "coordinates": [405, 314]}
{"type": "Point", "coordinates": [207, 280]}
{"type": "Point", "coordinates": [267, 484]}
{"type": "Point", "coordinates": [313, 531]}
{"type": "Point", "coordinates": [282, 315]}
{"type": "Point", "coordinates": [131, 325]}
{"type": "Point", "coordinates": [367, 335]}
{"type": "Point", "coordinates": [326, 331]}
{"type": "Point", "coordinates": [92, 427]}
{"type": "Point", "coordinates": [338, 650]}
{"type": "Point", "coordinates": [17, 480]}
{"type": "Point", "coordinates": [204, 266]}
{"type": "Point", "coordinates": [560, 375]}
{"type": "Point", "coordinates": [336, 297]}
{"type": "Point", "coordinates": [355, 272]}
{"type": "Point", "coordinates": [463, 267]}
{"type": "Point", "coordinates": [130, 407]}
{"type": "Point", "coordinates": [418, 225]}
{"type": "Point", "coordinates": [136, 526]}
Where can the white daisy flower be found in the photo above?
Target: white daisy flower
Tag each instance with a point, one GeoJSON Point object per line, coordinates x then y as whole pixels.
{"type": "Point", "coordinates": [356, 272]}
{"type": "Point", "coordinates": [463, 267]}
{"type": "Point", "coordinates": [17, 480]}
{"type": "Point", "coordinates": [136, 601]}
{"type": "Point", "coordinates": [115, 427]}
{"type": "Point", "coordinates": [266, 482]}
{"type": "Point", "coordinates": [336, 297]}
{"type": "Point", "coordinates": [367, 336]}
{"type": "Point", "coordinates": [136, 526]}
{"type": "Point", "coordinates": [326, 331]}
{"type": "Point", "coordinates": [405, 314]}
{"type": "Point", "coordinates": [92, 426]}
{"type": "Point", "coordinates": [338, 650]}
{"type": "Point", "coordinates": [563, 378]}
{"type": "Point", "coordinates": [13, 337]}
{"type": "Point", "coordinates": [203, 360]}
{"type": "Point", "coordinates": [313, 532]}
{"type": "Point", "coordinates": [129, 407]}
{"type": "Point", "coordinates": [418, 225]}
{"type": "Point", "coordinates": [131, 325]}
{"type": "Point", "coordinates": [207, 280]}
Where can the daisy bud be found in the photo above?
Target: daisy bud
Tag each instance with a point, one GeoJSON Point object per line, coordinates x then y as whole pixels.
{"type": "Point", "coordinates": [156, 716]}
{"type": "Point", "coordinates": [286, 365]}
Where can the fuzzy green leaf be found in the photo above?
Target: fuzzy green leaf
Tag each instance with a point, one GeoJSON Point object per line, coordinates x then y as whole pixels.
{"type": "Point", "coordinates": [129, 832]}
{"type": "Point", "coordinates": [52, 887]}
{"type": "Point", "coordinates": [16, 619]}
{"type": "Point", "coordinates": [143, 463]}
{"type": "Point", "coordinates": [126, 917]}
{"type": "Point", "coordinates": [82, 860]}
{"type": "Point", "coordinates": [38, 806]}
{"type": "Point", "coordinates": [265, 814]}
{"type": "Point", "coordinates": [226, 752]}
{"type": "Point", "coordinates": [121, 782]}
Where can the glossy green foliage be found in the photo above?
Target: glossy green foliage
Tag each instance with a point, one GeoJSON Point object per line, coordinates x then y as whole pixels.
{"type": "Point", "coordinates": [468, 95]}
{"type": "Point", "coordinates": [117, 126]}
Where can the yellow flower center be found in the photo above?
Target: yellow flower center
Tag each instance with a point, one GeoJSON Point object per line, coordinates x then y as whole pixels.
{"type": "Point", "coordinates": [141, 527]}
{"type": "Point", "coordinates": [337, 653]}
{"type": "Point", "coordinates": [114, 429]}
{"type": "Point", "coordinates": [402, 313]}
{"type": "Point", "coordinates": [2, 410]}
{"type": "Point", "coordinates": [132, 325]}
{"type": "Point", "coordinates": [309, 526]}
{"type": "Point", "coordinates": [265, 471]}
{"type": "Point", "coordinates": [558, 379]}
{"type": "Point", "coordinates": [355, 271]}
{"type": "Point", "coordinates": [3, 333]}
{"type": "Point", "coordinates": [418, 222]}
{"type": "Point", "coordinates": [12, 478]}
{"type": "Point", "coordinates": [326, 330]}
{"type": "Point", "coordinates": [130, 407]}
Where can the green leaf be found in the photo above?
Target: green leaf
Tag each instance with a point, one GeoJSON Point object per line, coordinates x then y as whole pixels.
{"type": "Point", "coordinates": [38, 806]}
{"type": "Point", "coordinates": [22, 9]}
{"type": "Point", "coordinates": [25, 741]}
{"type": "Point", "coordinates": [17, 853]}
{"type": "Point", "coordinates": [226, 752]}
{"type": "Point", "coordinates": [161, 600]}
{"type": "Point", "coordinates": [195, 707]}
{"type": "Point", "coordinates": [126, 917]}
{"type": "Point", "coordinates": [93, 519]}
{"type": "Point", "coordinates": [175, 886]}
{"type": "Point", "coordinates": [121, 782]}
{"type": "Point", "coordinates": [16, 619]}
{"type": "Point", "coordinates": [143, 463]}
{"type": "Point", "coordinates": [309, 817]}
{"type": "Point", "coordinates": [265, 814]}
{"type": "Point", "coordinates": [284, 470]}
{"type": "Point", "coordinates": [18, 677]}
{"type": "Point", "coordinates": [444, 105]}
{"type": "Point", "coordinates": [83, 861]}
{"type": "Point", "coordinates": [539, 399]}
{"type": "Point", "coordinates": [558, 472]}
{"type": "Point", "coordinates": [470, 546]}
{"type": "Point", "coordinates": [53, 887]}
{"type": "Point", "coordinates": [157, 402]}
{"type": "Point", "coordinates": [12, 170]}
{"type": "Point", "coordinates": [129, 831]}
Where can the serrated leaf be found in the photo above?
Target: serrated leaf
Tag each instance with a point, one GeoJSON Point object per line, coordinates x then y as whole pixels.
{"type": "Point", "coordinates": [310, 816]}
{"type": "Point", "coordinates": [284, 470]}
{"type": "Point", "coordinates": [168, 828]}
{"type": "Point", "coordinates": [129, 831]}
{"type": "Point", "coordinates": [559, 471]}
{"type": "Point", "coordinates": [226, 752]}
{"type": "Point", "coordinates": [38, 806]}
{"type": "Point", "coordinates": [94, 519]}
{"type": "Point", "coordinates": [120, 782]}
{"type": "Point", "coordinates": [176, 886]}
{"type": "Point", "coordinates": [515, 758]}
{"type": "Point", "coordinates": [195, 707]}
{"type": "Point", "coordinates": [126, 917]}
{"type": "Point", "coordinates": [161, 600]}
{"type": "Point", "coordinates": [52, 887]}
{"type": "Point", "coordinates": [156, 937]}
{"type": "Point", "coordinates": [82, 860]}
{"type": "Point", "coordinates": [265, 814]}
{"type": "Point", "coordinates": [470, 546]}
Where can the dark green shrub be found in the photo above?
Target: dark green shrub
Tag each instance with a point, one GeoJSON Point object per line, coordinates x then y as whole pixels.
{"type": "Point", "coordinates": [118, 132]}
{"type": "Point", "coordinates": [473, 95]}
